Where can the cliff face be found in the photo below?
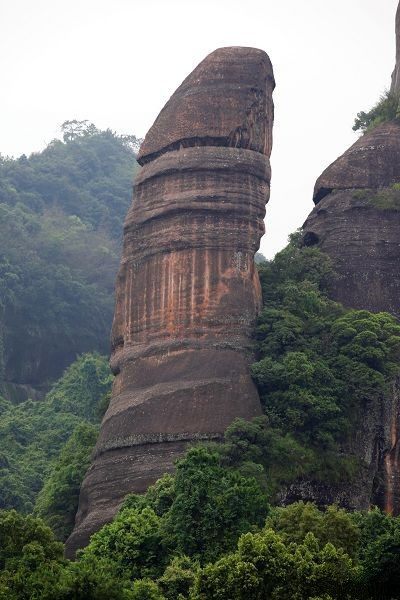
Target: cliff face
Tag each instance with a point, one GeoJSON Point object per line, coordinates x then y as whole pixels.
{"type": "Point", "coordinates": [395, 87]}
{"type": "Point", "coordinates": [373, 161]}
{"type": "Point", "coordinates": [363, 239]}
{"type": "Point", "coordinates": [357, 223]}
{"type": "Point", "coordinates": [187, 291]}
{"type": "Point", "coordinates": [352, 225]}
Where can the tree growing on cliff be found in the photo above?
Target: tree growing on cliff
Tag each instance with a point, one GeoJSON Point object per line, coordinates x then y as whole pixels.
{"type": "Point", "coordinates": [386, 109]}
{"type": "Point", "coordinates": [318, 363]}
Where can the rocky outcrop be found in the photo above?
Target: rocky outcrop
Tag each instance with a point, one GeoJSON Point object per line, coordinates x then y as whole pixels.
{"type": "Point", "coordinates": [226, 101]}
{"type": "Point", "coordinates": [373, 161]}
{"type": "Point", "coordinates": [360, 230]}
{"type": "Point", "coordinates": [395, 86]}
{"type": "Point", "coordinates": [187, 291]}
{"type": "Point", "coordinates": [20, 392]}
{"type": "Point", "coordinates": [375, 443]}
{"type": "Point", "coordinates": [356, 221]}
{"type": "Point", "coordinates": [352, 225]}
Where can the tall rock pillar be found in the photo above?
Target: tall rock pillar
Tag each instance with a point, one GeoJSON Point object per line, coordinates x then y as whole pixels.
{"type": "Point", "coordinates": [356, 221]}
{"type": "Point", "coordinates": [187, 291]}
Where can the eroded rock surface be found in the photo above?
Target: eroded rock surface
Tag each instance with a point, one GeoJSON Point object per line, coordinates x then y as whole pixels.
{"type": "Point", "coordinates": [187, 291]}
{"type": "Point", "coordinates": [373, 161]}
{"type": "Point", "coordinates": [395, 87]}
{"type": "Point", "coordinates": [362, 236]}
{"type": "Point", "coordinates": [364, 242]}
{"type": "Point", "coordinates": [226, 101]}
{"type": "Point", "coordinates": [358, 225]}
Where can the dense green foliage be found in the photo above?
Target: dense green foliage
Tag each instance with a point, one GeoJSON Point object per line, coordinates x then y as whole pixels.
{"type": "Point", "coordinates": [265, 567]}
{"type": "Point", "coordinates": [32, 566]}
{"type": "Point", "coordinates": [200, 512]}
{"type": "Point", "coordinates": [61, 215]}
{"type": "Point", "coordinates": [211, 506]}
{"type": "Point", "coordinates": [32, 435]}
{"type": "Point", "coordinates": [320, 366]}
{"type": "Point", "coordinates": [334, 526]}
{"type": "Point", "coordinates": [134, 541]}
{"type": "Point", "coordinates": [386, 109]}
{"type": "Point", "coordinates": [208, 531]}
{"type": "Point", "coordinates": [300, 553]}
{"type": "Point", "coordinates": [57, 501]}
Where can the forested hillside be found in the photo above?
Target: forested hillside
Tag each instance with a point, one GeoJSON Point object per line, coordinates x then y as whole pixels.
{"type": "Point", "coordinates": [212, 530]}
{"type": "Point", "coordinates": [38, 438]}
{"type": "Point", "coordinates": [61, 217]}
{"type": "Point", "coordinates": [322, 368]}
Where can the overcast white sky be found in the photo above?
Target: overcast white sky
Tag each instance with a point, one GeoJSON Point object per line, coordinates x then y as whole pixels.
{"type": "Point", "coordinates": [116, 63]}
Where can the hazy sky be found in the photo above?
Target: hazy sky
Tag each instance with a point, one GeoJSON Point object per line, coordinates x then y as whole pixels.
{"type": "Point", "coordinates": [116, 63]}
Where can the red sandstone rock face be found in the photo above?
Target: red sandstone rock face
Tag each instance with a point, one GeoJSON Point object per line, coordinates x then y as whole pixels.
{"type": "Point", "coordinates": [225, 101]}
{"type": "Point", "coordinates": [373, 161]}
{"type": "Point", "coordinates": [363, 241]}
{"type": "Point", "coordinates": [187, 291]}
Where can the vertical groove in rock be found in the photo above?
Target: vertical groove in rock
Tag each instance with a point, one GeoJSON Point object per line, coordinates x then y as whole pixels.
{"type": "Point", "coordinates": [187, 291]}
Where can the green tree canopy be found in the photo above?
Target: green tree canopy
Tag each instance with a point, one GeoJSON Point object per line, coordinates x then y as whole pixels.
{"type": "Point", "coordinates": [61, 222]}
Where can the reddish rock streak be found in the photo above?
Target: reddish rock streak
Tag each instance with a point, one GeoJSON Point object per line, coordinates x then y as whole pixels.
{"type": "Point", "coordinates": [392, 458]}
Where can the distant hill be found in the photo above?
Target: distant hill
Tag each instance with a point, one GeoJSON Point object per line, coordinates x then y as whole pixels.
{"type": "Point", "coordinates": [61, 220]}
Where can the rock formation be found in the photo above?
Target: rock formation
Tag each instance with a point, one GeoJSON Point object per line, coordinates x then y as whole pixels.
{"type": "Point", "coordinates": [187, 292]}
{"type": "Point", "coordinates": [348, 224]}
{"type": "Point", "coordinates": [358, 226]}
{"type": "Point", "coordinates": [395, 87]}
